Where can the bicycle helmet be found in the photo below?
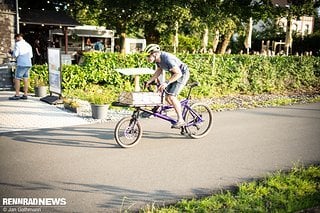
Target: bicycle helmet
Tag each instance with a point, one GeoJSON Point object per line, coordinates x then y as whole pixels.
{"type": "Point", "coordinates": [152, 48]}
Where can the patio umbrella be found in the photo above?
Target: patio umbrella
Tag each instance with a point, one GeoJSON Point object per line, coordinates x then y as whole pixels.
{"type": "Point", "coordinates": [215, 41]}
{"type": "Point", "coordinates": [205, 39]}
{"type": "Point", "coordinates": [247, 41]}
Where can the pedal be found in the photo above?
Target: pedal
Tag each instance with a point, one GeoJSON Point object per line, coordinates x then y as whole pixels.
{"type": "Point", "coordinates": [183, 131]}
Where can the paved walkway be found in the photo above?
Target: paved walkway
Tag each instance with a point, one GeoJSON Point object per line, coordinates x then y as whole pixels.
{"type": "Point", "coordinates": [33, 114]}
{"type": "Point", "coordinates": [84, 164]}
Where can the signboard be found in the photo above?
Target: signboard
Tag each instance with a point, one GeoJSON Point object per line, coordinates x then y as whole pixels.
{"type": "Point", "coordinates": [54, 64]}
{"type": "Point", "coordinates": [66, 59]}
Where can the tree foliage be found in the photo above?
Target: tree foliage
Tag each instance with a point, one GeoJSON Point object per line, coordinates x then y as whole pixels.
{"type": "Point", "coordinates": [159, 21]}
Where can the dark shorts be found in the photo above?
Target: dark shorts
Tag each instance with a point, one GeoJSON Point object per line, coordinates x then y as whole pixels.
{"type": "Point", "coordinates": [176, 87]}
{"type": "Point", "coordinates": [22, 72]}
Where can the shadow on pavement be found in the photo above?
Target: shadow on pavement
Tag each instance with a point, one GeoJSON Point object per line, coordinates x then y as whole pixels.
{"type": "Point", "coordinates": [79, 136]}
{"type": "Point", "coordinates": [67, 136]}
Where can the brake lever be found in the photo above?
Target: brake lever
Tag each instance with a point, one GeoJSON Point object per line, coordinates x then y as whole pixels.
{"type": "Point", "coordinates": [147, 87]}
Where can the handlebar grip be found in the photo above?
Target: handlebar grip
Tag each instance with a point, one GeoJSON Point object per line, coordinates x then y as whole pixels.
{"type": "Point", "coordinates": [147, 87]}
{"type": "Point", "coordinates": [150, 89]}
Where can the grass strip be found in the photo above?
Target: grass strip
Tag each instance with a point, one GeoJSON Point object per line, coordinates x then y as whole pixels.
{"type": "Point", "coordinates": [291, 191]}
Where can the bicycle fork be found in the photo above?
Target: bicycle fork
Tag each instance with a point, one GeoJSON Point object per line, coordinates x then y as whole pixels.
{"type": "Point", "coordinates": [134, 117]}
{"type": "Point", "coordinates": [130, 130]}
{"type": "Point", "coordinates": [195, 121]}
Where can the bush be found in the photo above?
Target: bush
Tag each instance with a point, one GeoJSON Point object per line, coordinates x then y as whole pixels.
{"type": "Point", "coordinates": [39, 76]}
{"type": "Point", "coordinates": [218, 74]}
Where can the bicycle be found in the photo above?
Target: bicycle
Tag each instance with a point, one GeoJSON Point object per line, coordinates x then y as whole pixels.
{"type": "Point", "coordinates": [198, 118]}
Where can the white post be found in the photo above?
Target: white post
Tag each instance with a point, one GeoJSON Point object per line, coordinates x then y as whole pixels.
{"type": "Point", "coordinates": [175, 38]}
{"type": "Point", "coordinates": [205, 39]}
{"type": "Point", "coordinates": [17, 16]}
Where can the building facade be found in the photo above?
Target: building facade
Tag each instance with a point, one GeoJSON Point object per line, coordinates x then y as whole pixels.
{"type": "Point", "coordinates": [7, 30]}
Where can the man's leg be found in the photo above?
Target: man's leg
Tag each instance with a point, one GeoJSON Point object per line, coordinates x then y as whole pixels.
{"type": "Point", "coordinates": [177, 107]}
{"type": "Point", "coordinates": [18, 75]}
{"type": "Point", "coordinates": [174, 89]}
{"type": "Point", "coordinates": [25, 82]}
{"type": "Point", "coordinates": [25, 86]}
{"type": "Point", "coordinates": [17, 89]}
{"type": "Point", "coordinates": [17, 86]}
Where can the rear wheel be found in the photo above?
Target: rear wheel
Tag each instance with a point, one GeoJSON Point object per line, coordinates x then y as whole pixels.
{"type": "Point", "coordinates": [199, 120]}
{"type": "Point", "coordinates": [128, 132]}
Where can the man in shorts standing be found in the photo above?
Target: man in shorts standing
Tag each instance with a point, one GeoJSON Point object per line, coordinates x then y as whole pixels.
{"type": "Point", "coordinates": [23, 54]}
{"type": "Point", "coordinates": [178, 79]}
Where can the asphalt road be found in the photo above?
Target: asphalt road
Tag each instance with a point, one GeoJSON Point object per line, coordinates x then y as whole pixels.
{"type": "Point", "coordinates": [84, 165]}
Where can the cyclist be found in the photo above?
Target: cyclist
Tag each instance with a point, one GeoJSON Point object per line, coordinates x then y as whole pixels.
{"type": "Point", "coordinates": [178, 79]}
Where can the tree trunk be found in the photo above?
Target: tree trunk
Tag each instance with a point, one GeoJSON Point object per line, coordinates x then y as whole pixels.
{"type": "Point", "coordinates": [123, 42]}
{"type": "Point", "coordinates": [226, 42]}
{"type": "Point", "coordinates": [288, 42]}
{"type": "Point", "coordinates": [122, 28]}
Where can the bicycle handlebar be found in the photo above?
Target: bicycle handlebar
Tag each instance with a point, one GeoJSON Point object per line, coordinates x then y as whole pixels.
{"type": "Point", "coordinates": [194, 84]}
{"type": "Point", "coordinates": [191, 85]}
{"type": "Point", "coordinates": [149, 86]}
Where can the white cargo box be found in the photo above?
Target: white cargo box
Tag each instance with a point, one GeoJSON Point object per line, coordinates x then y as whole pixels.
{"type": "Point", "coordinates": [140, 98]}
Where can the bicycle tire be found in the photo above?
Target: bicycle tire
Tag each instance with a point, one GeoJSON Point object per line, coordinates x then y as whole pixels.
{"type": "Point", "coordinates": [198, 129]}
{"type": "Point", "coordinates": [128, 132]}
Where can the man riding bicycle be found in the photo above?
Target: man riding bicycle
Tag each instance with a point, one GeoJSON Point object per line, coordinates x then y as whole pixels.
{"type": "Point", "coordinates": [178, 79]}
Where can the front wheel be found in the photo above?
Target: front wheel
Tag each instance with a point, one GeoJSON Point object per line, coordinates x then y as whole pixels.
{"type": "Point", "coordinates": [199, 120]}
{"type": "Point", "coordinates": [128, 132]}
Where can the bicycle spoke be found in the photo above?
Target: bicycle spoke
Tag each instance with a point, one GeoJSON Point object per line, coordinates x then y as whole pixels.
{"type": "Point", "coordinates": [128, 132]}
{"type": "Point", "coordinates": [199, 120]}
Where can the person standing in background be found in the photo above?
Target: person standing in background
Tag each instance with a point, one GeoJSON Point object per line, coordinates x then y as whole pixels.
{"type": "Point", "coordinates": [99, 46]}
{"type": "Point", "coordinates": [37, 52]}
{"type": "Point", "coordinates": [23, 54]}
{"type": "Point", "coordinates": [88, 46]}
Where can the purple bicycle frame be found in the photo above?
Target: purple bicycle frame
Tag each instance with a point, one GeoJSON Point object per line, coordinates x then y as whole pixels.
{"type": "Point", "coordinates": [185, 108]}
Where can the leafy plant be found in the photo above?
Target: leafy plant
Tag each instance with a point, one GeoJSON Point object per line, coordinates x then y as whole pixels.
{"type": "Point", "coordinates": [100, 95]}
{"type": "Point", "coordinates": [73, 77]}
{"type": "Point", "coordinates": [71, 103]}
{"type": "Point", "coordinates": [39, 81]}
{"type": "Point", "coordinates": [39, 75]}
{"type": "Point", "coordinates": [98, 99]}
{"type": "Point", "coordinates": [290, 191]}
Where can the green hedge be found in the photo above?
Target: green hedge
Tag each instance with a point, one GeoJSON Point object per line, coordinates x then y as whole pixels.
{"type": "Point", "coordinates": [225, 74]}
{"type": "Point", "coordinates": [218, 74]}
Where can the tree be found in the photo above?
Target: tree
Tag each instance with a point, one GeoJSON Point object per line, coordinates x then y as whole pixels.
{"type": "Point", "coordinates": [222, 18]}
{"type": "Point", "coordinates": [120, 14]}
{"type": "Point", "coordinates": [162, 20]}
{"type": "Point", "coordinates": [208, 12]}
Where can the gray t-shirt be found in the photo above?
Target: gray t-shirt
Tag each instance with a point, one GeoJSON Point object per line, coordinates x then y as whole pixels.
{"type": "Point", "coordinates": [168, 61]}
